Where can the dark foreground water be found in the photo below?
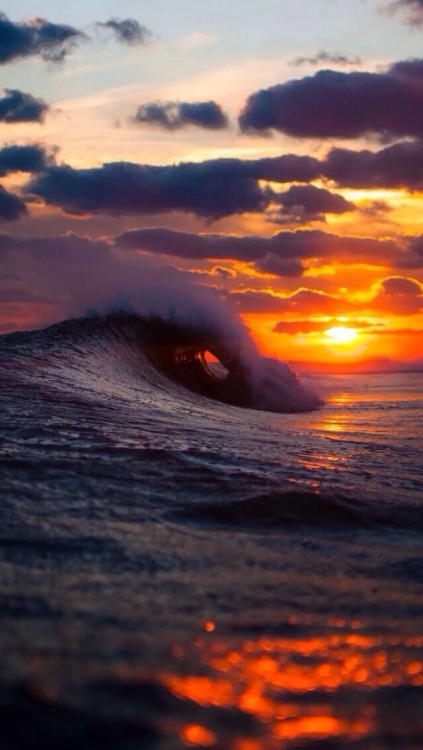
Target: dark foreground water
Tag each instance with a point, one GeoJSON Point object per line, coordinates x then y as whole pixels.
{"type": "Point", "coordinates": [181, 572]}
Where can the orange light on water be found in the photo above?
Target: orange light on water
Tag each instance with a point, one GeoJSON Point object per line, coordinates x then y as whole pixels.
{"type": "Point", "coordinates": [263, 676]}
{"type": "Point", "coordinates": [195, 734]}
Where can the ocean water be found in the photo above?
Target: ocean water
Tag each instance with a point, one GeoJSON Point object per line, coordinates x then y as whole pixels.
{"type": "Point", "coordinates": [205, 555]}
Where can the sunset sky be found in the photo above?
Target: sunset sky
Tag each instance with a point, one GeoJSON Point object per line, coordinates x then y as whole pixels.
{"type": "Point", "coordinates": [271, 150]}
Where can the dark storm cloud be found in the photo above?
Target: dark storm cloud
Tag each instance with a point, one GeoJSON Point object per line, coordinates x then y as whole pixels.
{"type": "Point", "coordinates": [286, 246]}
{"type": "Point", "coordinates": [413, 10]}
{"type": "Point", "coordinates": [51, 41]}
{"type": "Point", "coordinates": [32, 158]}
{"type": "Point", "coordinates": [396, 166]}
{"type": "Point", "coordinates": [307, 203]}
{"type": "Point", "coordinates": [16, 106]}
{"type": "Point", "coordinates": [345, 105]}
{"type": "Point", "coordinates": [11, 207]}
{"type": "Point", "coordinates": [127, 30]}
{"type": "Point", "coordinates": [324, 58]}
{"type": "Point", "coordinates": [176, 115]}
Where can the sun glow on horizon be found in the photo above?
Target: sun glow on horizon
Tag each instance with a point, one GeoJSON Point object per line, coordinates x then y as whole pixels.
{"type": "Point", "coordinates": [342, 334]}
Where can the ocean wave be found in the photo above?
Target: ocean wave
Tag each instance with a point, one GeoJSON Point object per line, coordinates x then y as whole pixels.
{"type": "Point", "coordinates": [204, 357]}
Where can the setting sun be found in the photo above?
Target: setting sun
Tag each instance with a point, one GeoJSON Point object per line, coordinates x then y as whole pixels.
{"type": "Point", "coordinates": [342, 334]}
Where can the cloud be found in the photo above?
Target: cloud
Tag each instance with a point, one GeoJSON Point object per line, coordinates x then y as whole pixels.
{"type": "Point", "coordinates": [210, 189]}
{"type": "Point", "coordinates": [11, 207]}
{"type": "Point", "coordinates": [304, 203]}
{"type": "Point", "coordinates": [222, 187]}
{"type": "Point", "coordinates": [396, 166]}
{"type": "Point", "coordinates": [127, 30]}
{"type": "Point", "coordinates": [346, 105]}
{"type": "Point", "coordinates": [31, 158]}
{"type": "Point", "coordinates": [176, 115]}
{"type": "Point", "coordinates": [325, 57]}
{"type": "Point", "coordinates": [16, 106]}
{"type": "Point", "coordinates": [413, 10]}
{"type": "Point", "coordinates": [52, 42]}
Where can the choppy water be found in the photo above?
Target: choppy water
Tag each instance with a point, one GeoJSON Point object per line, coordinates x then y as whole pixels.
{"type": "Point", "coordinates": [176, 571]}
